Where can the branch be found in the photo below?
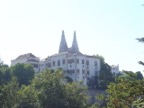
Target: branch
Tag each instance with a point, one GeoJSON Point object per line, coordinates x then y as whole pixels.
{"type": "Point", "coordinates": [142, 63]}
{"type": "Point", "coordinates": [140, 39]}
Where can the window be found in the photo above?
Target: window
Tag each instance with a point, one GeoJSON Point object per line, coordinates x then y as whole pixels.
{"type": "Point", "coordinates": [95, 63]}
{"type": "Point", "coordinates": [72, 60]}
{"type": "Point", "coordinates": [53, 63]}
{"type": "Point", "coordinates": [87, 67]}
{"type": "Point", "coordinates": [41, 65]}
{"type": "Point", "coordinates": [49, 65]}
{"type": "Point", "coordinates": [63, 61]}
{"type": "Point", "coordinates": [87, 62]}
{"type": "Point", "coordinates": [35, 65]}
{"type": "Point", "coordinates": [73, 71]}
{"type": "Point", "coordinates": [88, 72]}
{"type": "Point", "coordinates": [83, 71]}
{"type": "Point", "coordinates": [58, 62]}
{"type": "Point", "coordinates": [82, 61]}
{"type": "Point", "coordinates": [68, 61]}
{"type": "Point", "coordinates": [78, 71]}
{"type": "Point", "coordinates": [83, 77]}
{"type": "Point", "coordinates": [77, 61]}
{"type": "Point", "coordinates": [96, 73]}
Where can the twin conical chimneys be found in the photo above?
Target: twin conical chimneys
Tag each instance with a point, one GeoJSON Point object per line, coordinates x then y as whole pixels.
{"type": "Point", "coordinates": [63, 44]}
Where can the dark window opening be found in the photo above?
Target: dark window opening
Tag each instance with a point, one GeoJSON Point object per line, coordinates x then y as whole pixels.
{"type": "Point", "coordinates": [82, 61]}
{"type": "Point", "coordinates": [53, 63]}
{"type": "Point", "coordinates": [87, 62]}
{"type": "Point", "coordinates": [63, 61]}
{"type": "Point", "coordinates": [58, 62]}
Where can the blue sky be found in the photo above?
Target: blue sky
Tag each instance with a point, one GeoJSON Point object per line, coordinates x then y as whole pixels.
{"type": "Point", "coordinates": [105, 27]}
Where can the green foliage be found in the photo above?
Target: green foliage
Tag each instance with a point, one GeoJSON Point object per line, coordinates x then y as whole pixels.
{"type": "Point", "coordinates": [54, 92]}
{"type": "Point", "coordinates": [1, 62]}
{"type": "Point", "coordinates": [141, 63]}
{"type": "Point", "coordinates": [12, 96]}
{"type": "Point", "coordinates": [125, 91]}
{"type": "Point", "coordinates": [139, 103]}
{"type": "Point", "coordinates": [69, 79]}
{"type": "Point", "coordinates": [75, 96]}
{"type": "Point", "coordinates": [9, 97]}
{"type": "Point", "coordinates": [23, 72]}
{"type": "Point", "coordinates": [105, 75]}
{"type": "Point", "coordinates": [102, 60]}
{"type": "Point", "coordinates": [93, 82]}
{"type": "Point", "coordinates": [94, 106]}
{"type": "Point", "coordinates": [28, 97]}
{"type": "Point", "coordinates": [48, 89]}
{"type": "Point", "coordinates": [5, 74]}
{"type": "Point", "coordinates": [139, 75]}
{"type": "Point", "coordinates": [141, 39]}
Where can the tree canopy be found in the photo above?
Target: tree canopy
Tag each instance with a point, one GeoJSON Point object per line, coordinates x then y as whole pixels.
{"type": "Point", "coordinates": [48, 89]}
{"type": "Point", "coordinates": [5, 74]}
{"type": "Point", "coordinates": [125, 92]}
{"type": "Point", "coordinates": [105, 75]}
{"type": "Point", "coordinates": [142, 41]}
{"type": "Point", "coordinates": [23, 72]}
{"type": "Point", "coordinates": [55, 92]}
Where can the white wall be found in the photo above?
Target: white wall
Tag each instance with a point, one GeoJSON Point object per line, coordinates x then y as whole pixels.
{"type": "Point", "coordinates": [115, 69]}
{"type": "Point", "coordinates": [77, 71]}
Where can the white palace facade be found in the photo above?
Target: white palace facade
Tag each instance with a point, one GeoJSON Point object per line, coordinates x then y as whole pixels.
{"type": "Point", "coordinates": [78, 66]}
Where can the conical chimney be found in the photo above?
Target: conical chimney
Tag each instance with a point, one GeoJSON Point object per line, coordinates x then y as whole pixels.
{"type": "Point", "coordinates": [74, 48]}
{"type": "Point", "coordinates": [63, 44]}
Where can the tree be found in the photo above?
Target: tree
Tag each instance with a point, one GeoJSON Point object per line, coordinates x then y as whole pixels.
{"type": "Point", "coordinates": [105, 75]}
{"type": "Point", "coordinates": [69, 79]}
{"type": "Point", "coordinates": [8, 94]}
{"type": "Point", "coordinates": [5, 74]}
{"type": "Point", "coordinates": [142, 41]}
{"type": "Point", "coordinates": [125, 91]}
{"type": "Point", "coordinates": [54, 92]}
{"type": "Point", "coordinates": [28, 97]}
{"type": "Point", "coordinates": [93, 82]}
{"type": "Point", "coordinates": [139, 75]}
{"type": "Point", "coordinates": [1, 62]}
{"type": "Point", "coordinates": [128, 91]}
{"type": "Point", "coordinates": [104, 78]}
{"type": "Point", "coordinates": [23, 72]}
{"type": "Point", "coordinates": [75, 95]}
{"type": "Point", "coordinates": [47, 90]}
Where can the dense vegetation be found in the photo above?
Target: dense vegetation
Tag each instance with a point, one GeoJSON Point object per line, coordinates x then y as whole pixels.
{"type": "Point", "coordinates": [126, 92]}
{"type": "Point", "coordinates": [105, 76]}
{"type": "Point", "coordinates": [20, 87]}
